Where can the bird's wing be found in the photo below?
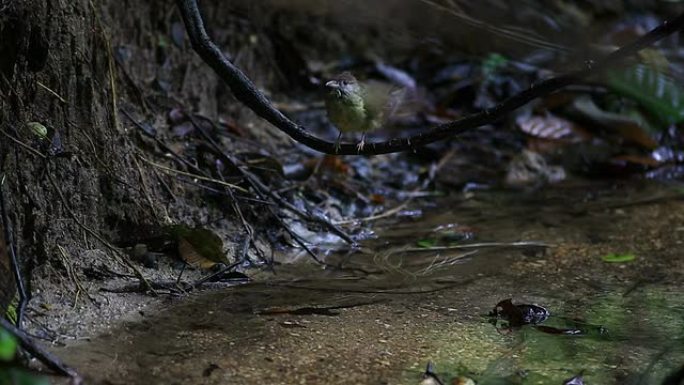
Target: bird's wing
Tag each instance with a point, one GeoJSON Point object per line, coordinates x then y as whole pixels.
{"type": "Point", "coordinates": [381, 100]}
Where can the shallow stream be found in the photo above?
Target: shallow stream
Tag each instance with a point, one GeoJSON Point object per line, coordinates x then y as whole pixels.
{"type": "Point", "coordinates": [418, 293]}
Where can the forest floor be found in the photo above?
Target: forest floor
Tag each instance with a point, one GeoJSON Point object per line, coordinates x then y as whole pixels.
{"type": "Point", "coordinates": [217, 250]}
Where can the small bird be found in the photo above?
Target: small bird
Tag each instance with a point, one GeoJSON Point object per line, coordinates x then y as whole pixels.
{"type": "Point", "coordinates": [353, 106]}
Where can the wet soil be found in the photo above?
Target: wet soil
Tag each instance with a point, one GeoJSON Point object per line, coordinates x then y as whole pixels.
{"type": "Point", "coordinates": [413, 294]}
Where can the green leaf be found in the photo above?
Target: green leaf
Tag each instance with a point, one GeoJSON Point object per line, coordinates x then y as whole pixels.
{"type": "Point", "coordinates": [493, 63]}
{"type": "Point", "coordinates": [8, 345]}
{"type": "Point", "coordinates": [426, 243]}
{"type": "Point", "coordinates": [11, 313]}
{"type": "Point", "coordinates": [656, 92]}
{"type": "Point", "coordinates": [618, 258]}
{"type": "Point", "coordinates": [38, 129]}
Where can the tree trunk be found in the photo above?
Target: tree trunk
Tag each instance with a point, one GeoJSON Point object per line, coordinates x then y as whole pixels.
{"type": "Point", "coordinates": [65, 65]}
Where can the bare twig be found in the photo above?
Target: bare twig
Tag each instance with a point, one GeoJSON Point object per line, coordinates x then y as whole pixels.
{"type": "Point", "coordinates": [246, 92]}
{"type": "Point", "coordinates": [170, 287]}
{"type": "Point", "coordinates": [195, 176]}
{"type": "Point", "coordinates": [14, 260]}
{"type": "Point", "coordinates": [110, 66]}
{"type": "Point", "coordinates": [289, 206]}
{"type": "Point", "coordinates": [24, 145]}
{"type": "Point", "coordinates": [467, 246]}
{"type": "Point", "coordinates": [47, 358]}
{"type": "Point", "coordinates": [295, 236]}
{"type": "Point", "coordinates": [525, 37]}
{"type": "Point", "coordinates": [166, 187]}
{"type": "Point", "coordinates": [125, 262]}
{"type": "Point", "coordinates": [265, 190]}
{"type": "Point", "coordinates": [219, 273]}
{"type": "Point", "coordinates": [402, 205]}
{"type": "Point", "coordinates": [49, 90]}
{"type": "Point", "coordinates": [249, 239]}
{"type": "Point", "coordinates": [161, 144]}
{"type": "Point", "coordinates": [145, 189]}
{"type": "Point", "coordinates": [71, 274]}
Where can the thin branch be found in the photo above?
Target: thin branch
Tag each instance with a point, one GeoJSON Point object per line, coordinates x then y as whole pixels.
{"type": "Point", "coordinates": [161, 144]}
{"type": "Point", "coordinates": [246, 92]}
{"type": "Point", "coordinates": [14, 259]}
{"type": "Point", "coordinates": [23, 145]}
{"type": "Point", "coordinates": [241, 258]}
{"type": "Point", "coordinates": [405, 203]}
{"type": "Point", "coordinates": [53, 93]}
{"type": "Point", "coordinates": [525, 37]}
{"type": "Point", "coordinates": [468, 246]}
{"type": "Point", "coordinates": [124, 262]}
{"type": "Point", "coordinates": [191, 175]}
{"type": "Point", "coordinates": [47, 358]}
{"type": "Point", "coordinates": [265, 190]}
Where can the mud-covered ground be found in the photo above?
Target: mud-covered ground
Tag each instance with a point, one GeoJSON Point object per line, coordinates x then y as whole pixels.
{"type": "Point", "coordinates": [392, 307]}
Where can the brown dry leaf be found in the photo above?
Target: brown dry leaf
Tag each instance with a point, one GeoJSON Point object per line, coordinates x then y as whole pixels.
{"type": "Point", "coordinates": [544, 146]}
{"type": "Point", "coordinates": [634, 133]}
{"type": "Point", "coordinates": [232, 126]}
{"type": "Point", "coordinates": [335, 164]}
{"type": "Point", "coordinates": [557, 100]}
{"type": "Point", "coordinates": [263, 164]}
{"type": "Point", "coordinates": [377, 199]}
{"type": "Point", "coordinates": [329, 163]}
{"type": "Point", "coordinates": [192, 257]}
{"type": "Point", "coordinates": [549, 132]}
{"type": "Point", "coordinates": [547, 127]}
{"type": "Point", "coordinates": [625, 127]}
{"type": "Point", "coordinates": [641, 160]}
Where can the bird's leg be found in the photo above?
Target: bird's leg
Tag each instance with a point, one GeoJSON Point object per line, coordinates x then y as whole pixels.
{"type": "Point", "coordinates": [337, 143]}
{"type": "Point", "coordinates": [362, 143]}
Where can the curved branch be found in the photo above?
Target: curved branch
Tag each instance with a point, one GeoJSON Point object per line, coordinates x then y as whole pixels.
{"type": "Point", "coordinates": [245, 91]}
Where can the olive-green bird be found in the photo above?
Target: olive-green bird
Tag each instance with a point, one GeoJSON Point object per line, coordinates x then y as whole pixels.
{"type": "Point", "coordinates": [359, 107]}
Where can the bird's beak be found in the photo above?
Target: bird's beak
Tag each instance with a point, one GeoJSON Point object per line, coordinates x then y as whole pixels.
{"type": "Point", "coordinates": [334, 87]}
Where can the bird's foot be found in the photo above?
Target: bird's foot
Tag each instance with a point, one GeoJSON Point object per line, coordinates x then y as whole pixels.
{"type": "Point", "coordinates": [337, 143]}
{"type": "Point", "coordinates": [362, 143]}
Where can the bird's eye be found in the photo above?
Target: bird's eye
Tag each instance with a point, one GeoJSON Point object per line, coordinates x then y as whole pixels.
{"type": "Point", "coordinates": [343, 82]}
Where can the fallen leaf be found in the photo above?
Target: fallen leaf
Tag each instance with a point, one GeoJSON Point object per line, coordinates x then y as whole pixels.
{"type": "Point", "coordinates": [618, 258]}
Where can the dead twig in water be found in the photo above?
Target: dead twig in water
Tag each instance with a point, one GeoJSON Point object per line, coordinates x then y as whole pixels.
{"type": "Point", "coordinates": [318, 310]}
{"type": "Point", "coordinates": [480, 245]}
